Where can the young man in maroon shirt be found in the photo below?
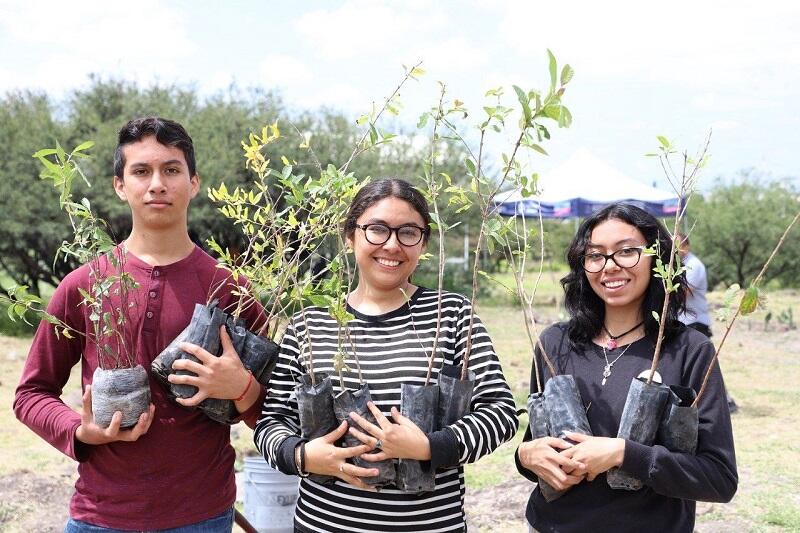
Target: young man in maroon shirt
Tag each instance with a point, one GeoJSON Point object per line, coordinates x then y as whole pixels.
{"type": "Point", "coordinates": [174, 469]}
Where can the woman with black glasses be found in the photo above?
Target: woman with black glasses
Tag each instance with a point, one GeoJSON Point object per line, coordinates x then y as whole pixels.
{"type": "Point", "coordinates": [611, 293]}
{"type": "Point", "coordinates": [387, 229]}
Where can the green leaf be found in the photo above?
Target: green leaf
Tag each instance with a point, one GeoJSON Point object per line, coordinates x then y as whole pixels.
{"type": "Point", "coordinates": [83, 146]}
{"type": "Point", "coordinates": [423, 120]}
{"type": "Point", "coordinates": [566, 74]}
{"type": "Point", "coordinates": [539, 149]}
{"type": "Point", "coordinates": [470, 166]}
{"type": "Point", "coordinates": [664, 141]}
{"type": "Point", "coordinates": [655, 315]}
{"type": "Point", "coordinates": [553, 70]}
{"type": "Point", "coordinates": [525, 103]}
{"type": "Point", "coordinates": [44, 152]}
{"type": "Point", "coordinates": [749, 301]}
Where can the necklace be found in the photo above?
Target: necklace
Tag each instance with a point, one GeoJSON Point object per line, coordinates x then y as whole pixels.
{"type": "Point", "coordinates": [609, 365]}
{"type": "Point", "coordinates": [611, 343]}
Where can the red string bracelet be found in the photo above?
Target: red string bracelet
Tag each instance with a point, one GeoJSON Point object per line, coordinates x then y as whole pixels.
{"type": "Point", "coordinates": [247, 388]}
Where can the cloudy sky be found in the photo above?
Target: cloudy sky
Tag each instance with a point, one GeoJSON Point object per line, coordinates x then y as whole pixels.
{"type": "Point", "coordinates": [642, 68]}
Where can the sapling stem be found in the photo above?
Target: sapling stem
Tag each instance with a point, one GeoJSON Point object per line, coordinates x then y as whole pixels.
{"type": "Point", "coordinates": [728, 329]}
{"type": "Point", "coordinates": [684, 189]}
{"type": "Point", "coordinates": [432, 187]}
{"type": "Point", "coordinates": [485, 213]}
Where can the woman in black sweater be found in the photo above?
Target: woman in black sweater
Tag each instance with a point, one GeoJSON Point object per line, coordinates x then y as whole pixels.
{"type": "Point", "coordinates": [611, 293]}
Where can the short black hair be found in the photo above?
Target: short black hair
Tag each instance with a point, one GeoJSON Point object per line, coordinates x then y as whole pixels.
{"type": "Point", "coordinates": [586, 309]}
{"type": "Point", "coordinates": [167, 132]}
{"type": "Point", "coordinates": [375, 191]}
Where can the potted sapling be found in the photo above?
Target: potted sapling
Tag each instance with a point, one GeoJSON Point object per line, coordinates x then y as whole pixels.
{"type": "Point", "coordinates": [557, 407]}
{"type": "Point", "coordinates": [119, 383]}
{"type": "Point", "coordinates": [535, 108]}
{"type": "Point", "coordinates": [678, 430]}
{"type": "Point", "coordinates": [354, 401]}
{"type": "Point", "coordinates": [647, 399]}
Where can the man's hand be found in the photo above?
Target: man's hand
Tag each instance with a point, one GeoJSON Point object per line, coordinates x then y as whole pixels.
{"type": "Point", "coordinates": [222, 377]}
{"type": "Point", "coordinates": [90, 433]}
{"type": "Point", "coordinates": [542, 457]}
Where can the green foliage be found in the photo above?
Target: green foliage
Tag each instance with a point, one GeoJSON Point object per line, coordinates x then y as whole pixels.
{"type": "Point", "coordinates": [90, 244]}
{"type": "Point", "coordinates": [29, 121]}
{"type": "Point", "coordinates": [285, 217]}
{"type": "Point", "coordinates": [736, 225]}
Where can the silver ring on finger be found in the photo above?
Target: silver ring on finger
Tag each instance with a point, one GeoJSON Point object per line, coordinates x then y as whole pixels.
{"type": "Point", "coordinates": [378, 444]}
{"type": "Point", "coordinates": [341, 468]}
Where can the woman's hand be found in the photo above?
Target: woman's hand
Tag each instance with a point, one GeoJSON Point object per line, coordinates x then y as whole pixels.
{"type": "Point", "coordinates": [323, 457]}
{"type": "Point", "coordinates": [599, 454]}
{"type": "Point", "coordinates": [403, 440]}
{"type": "Point", "coordinates": [542, 457]}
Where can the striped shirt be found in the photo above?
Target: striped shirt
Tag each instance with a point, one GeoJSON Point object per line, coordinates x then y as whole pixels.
{"type": "Point", "coordinates": [392, 349]}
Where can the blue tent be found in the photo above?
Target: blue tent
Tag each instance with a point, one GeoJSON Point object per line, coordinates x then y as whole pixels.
{"type": "Point", "coordinates": [583, 185]}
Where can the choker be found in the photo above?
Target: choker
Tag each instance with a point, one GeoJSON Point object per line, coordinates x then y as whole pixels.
{"type": "Point", "coordinates": [611, 343]}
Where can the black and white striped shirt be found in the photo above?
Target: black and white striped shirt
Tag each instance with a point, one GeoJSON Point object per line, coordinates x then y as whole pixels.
{"type": "Point", "coordinates": [393, 348]}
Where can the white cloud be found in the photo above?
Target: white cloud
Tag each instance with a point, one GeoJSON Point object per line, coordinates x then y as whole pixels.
{"type": "Point", "coordinates": [139, 43]}
{"type": "Point", "coordinates": [366, 27]}
{"type": "Point", "coordinates": [283, 69]}
{"type": "Point", "coordinates": [699, 43]}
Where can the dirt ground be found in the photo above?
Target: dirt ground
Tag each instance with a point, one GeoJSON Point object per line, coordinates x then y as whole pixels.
{"type": "Point", "coordinates": [761, 369]}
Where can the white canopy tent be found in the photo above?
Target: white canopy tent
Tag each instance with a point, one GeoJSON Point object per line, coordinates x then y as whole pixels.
{"type": "Point", "coordinates": [582, 185]}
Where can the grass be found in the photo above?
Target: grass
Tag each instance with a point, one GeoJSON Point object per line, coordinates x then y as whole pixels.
{"type": "Point", "coordinates": [761, 368]}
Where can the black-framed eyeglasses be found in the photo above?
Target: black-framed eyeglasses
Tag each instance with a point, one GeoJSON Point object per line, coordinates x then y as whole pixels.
{"type": "Point", "coordinates": [627, 257]}
{"type": "Point", "coordinates": [407, 234]}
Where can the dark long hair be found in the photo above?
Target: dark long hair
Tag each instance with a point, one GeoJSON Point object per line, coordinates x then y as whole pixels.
{"type": "Point", "coordinates": [586, 308]}
{"type": "Point", "coordinates": [375, 191]}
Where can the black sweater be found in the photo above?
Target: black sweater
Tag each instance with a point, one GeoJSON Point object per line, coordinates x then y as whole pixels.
{"type": "Point", "coordinates": [673, 482]}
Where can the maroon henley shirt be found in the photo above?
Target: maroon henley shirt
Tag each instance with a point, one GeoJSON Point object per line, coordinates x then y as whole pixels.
{"type": "Point", "coordinates": [181, 471]}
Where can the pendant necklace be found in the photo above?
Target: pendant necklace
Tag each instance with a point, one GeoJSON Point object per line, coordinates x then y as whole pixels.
{"type": "Point", "coordinates": [611, 343]}
{"type": "Point", "coordinates": [609, 365]}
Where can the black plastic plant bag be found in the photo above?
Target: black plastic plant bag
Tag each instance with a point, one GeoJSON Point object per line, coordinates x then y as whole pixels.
{"type": "Point", "coordinates": [641, 416]}
{"type": "Point", "coordinates": [418, 403]}
{"type": "Point", "coordinates": [203, 330]}
{"type": "Point", "coordinates": [564, 406]}
{"type": "Point", "coordinates": [121, 389]}
{"type": "Point", "coordinates": [347, 402]}
{"type": "Point", "coordinates": [315, 406]}
{"type": "Point", "coordinates": [257, 354]}
{"type": "Point", "coordinates": [678, 429]}
{"type": "Point", "coordinates": [540, 427]}
{"type": "Point", "coordinates": [455, 395]}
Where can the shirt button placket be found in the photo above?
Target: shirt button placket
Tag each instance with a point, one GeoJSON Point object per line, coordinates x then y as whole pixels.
{"type": "Point", "coordinates": [153, 302]}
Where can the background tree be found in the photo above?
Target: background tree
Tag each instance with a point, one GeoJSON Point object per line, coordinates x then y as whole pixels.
{"type": "Point", "coordinates": [737, 224]}
{"type": "Point", "coordinates": [33, 228]}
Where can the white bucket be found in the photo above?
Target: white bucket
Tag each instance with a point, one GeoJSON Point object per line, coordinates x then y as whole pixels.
{"type": "Point", "coordinates": [269, 497]}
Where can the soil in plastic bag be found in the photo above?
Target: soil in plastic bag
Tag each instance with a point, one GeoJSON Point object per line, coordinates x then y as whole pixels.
{"type": "Point", "coordinates": [564, 406]}
{"type": "Point", "coordinates": [203, 330]}
{"type": "Point", "coordinates": [315, 405]}
{"type": "Point", "coordinates": [343, 404]}
{"type": "Point", "coordinates": [455, 395]}
{"type": "Point", "coordinates": [678, 429]}
{"type": "Point", "coordinates": [537, 419]}
{"type": "Point", "coordinates": [122, 389]}
{"type": "Point", "coordinates": [418, 403]}
{"type": "Point", "coordinates": [641, 416]}
{"type": "Point", "coordinates": [257, 354]}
